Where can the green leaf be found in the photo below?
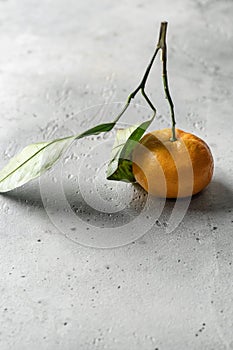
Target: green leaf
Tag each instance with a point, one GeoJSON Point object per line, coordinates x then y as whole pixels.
{"type": "Point", "coordinates": [123, 166]}
{"type": "Point", "coordinates": [120, 167]}
{"type": "Point", "coordinates": [96, 130]}
{"type": "Point", "coordinates": [36, 158]}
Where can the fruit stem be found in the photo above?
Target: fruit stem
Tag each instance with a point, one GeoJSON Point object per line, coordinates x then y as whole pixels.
{"type": "Point", "coordinates": [141, 87]}
{"type": "Point", "coordinates": [163, 46]}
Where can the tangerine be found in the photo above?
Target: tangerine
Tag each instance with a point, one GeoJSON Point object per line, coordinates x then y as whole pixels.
{"type": "Point", "coordinates": [172, 169]}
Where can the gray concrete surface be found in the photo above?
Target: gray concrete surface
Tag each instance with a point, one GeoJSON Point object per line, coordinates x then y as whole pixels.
{"type": "Point", "coordinates": [164, 291]}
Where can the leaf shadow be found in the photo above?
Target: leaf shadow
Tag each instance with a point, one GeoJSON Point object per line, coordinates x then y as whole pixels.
{"type": "Point", "coordinates": [217, 197]}
{"type": "Point", "coordinates": [28, 194]}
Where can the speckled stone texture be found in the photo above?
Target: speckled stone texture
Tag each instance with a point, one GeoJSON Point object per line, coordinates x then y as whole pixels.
{"type": "Point", "coordinates": [166, 291]}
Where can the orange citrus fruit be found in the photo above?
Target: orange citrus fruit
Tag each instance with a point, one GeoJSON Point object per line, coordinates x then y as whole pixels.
{"type": "Point", "coordinates": [172, 169]}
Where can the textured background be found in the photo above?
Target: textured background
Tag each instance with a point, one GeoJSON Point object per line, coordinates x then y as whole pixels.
{"type": "Point", "coordinates": [163, 291]}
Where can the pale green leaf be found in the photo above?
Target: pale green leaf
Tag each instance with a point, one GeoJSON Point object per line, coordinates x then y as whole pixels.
{"type": "Point", "coordinates": [36, 158]}
{"type": "Point", "coordinates": [31, 162]}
